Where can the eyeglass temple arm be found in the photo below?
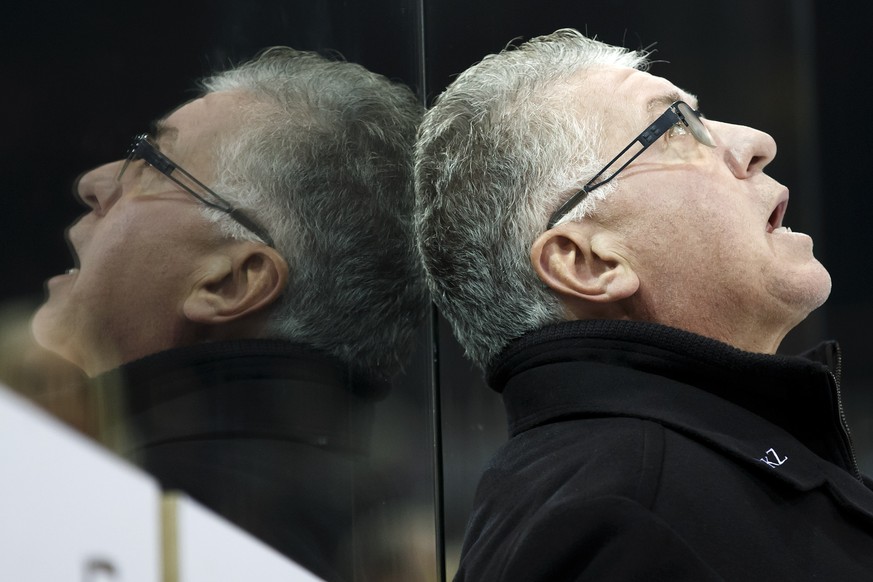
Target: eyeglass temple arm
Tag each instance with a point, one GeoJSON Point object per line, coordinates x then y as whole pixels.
{"type": "Point", "coordinates": [247, 222]}
{"type": "Point", "coordinates": [649, 136]}
{"type": "Point", "coordinates": [225, 206]}
{"type": "Point", "coordinates": [167, 167]}
{"type": "Point", "coordinates": [234, 212]}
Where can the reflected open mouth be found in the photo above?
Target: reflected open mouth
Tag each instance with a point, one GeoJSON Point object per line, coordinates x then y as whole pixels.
{"type": "Point", "coordinates": [73, 252]}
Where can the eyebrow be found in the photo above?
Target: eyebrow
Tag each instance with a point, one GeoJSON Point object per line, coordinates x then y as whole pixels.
{"type": "Point", "coordinates": [667, 99]}
{"type": "Point", "coordinates": [160, 131]}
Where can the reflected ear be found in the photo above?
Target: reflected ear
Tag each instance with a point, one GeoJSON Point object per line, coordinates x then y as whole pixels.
{"type": "Point", "coordinates": [580, 261]}
{"type": "Point", "coordinates": [240, 280]}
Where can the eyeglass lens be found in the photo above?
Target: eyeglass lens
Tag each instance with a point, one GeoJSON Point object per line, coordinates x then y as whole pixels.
{"type": "Point", "coordinates": [695, 125]}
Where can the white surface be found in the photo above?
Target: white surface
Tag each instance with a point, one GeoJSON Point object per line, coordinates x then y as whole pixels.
{"type": "Point", "coordinates": [70, 511]}
{"type": "Point", "coordinates": [210, 549]}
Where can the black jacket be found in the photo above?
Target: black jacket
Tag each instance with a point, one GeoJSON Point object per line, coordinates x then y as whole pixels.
{"type": "Point", "coordinates": [640, 452]}
{"type": "Point", "coordinates": [269, 434]}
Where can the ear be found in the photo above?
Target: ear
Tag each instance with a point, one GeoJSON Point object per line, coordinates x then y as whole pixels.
{"type": "Point", "coordinates": [580, 261]}
{"type": "Point", "coordinates": [240, 280]}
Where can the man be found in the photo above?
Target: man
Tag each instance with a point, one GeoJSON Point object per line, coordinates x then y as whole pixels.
{"type": "Point", "coordinates": [628, 300]}
{"type": "Point", "coordinates": [245, 284]}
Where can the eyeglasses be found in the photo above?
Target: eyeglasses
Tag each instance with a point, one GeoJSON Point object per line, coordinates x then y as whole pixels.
{"type": "Point", "coordinates": [678, 114]}
{"type": "Point", "coordinates": [142, 148]}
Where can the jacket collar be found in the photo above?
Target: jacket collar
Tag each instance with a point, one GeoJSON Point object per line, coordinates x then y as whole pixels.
{"type": "Point", "coordinates": [778, 414]}
{"type": "Point", "coordinates": [672, 348]}
{"type": "Point", "coordinates": [246, 388]}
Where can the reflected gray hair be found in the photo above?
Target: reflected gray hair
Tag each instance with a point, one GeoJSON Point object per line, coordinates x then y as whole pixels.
{"type": "Point", "coordinates": [323, 159]}
{"type": "Point", "coordinates": [500, 150]}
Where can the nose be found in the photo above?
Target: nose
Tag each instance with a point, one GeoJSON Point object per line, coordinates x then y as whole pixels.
{"type": "Point", "coordinates": [98, 189]}
{"type": "Point", "coordinates": [747, 151]}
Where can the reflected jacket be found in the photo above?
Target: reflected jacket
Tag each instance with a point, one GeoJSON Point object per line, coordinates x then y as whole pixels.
{"type": "Point", "coordinates": [269, 434]}
{"type": "Point", "coordinates": [641, 452]}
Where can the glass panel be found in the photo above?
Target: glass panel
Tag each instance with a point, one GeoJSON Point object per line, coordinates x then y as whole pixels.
{"type": "Point", "coordinates": [339, 480]}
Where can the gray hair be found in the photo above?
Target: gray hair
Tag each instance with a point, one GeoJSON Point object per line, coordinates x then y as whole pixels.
{"type": "Point", "coordinates": [500, 150]}
{"type": "Point", "coordinates": [323, 159]}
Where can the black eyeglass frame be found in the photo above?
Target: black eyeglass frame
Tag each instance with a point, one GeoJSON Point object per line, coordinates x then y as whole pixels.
{"type": "Point", "coordinates": [142, 148]}
{"type": "Point", "coordinates": [677, 113]}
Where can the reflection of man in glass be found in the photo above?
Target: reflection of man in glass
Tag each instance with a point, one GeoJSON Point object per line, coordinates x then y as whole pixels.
{"type": "Point", "coordinates": [244, 284]}
{"type": "Point", "coordinates": [620, 266]}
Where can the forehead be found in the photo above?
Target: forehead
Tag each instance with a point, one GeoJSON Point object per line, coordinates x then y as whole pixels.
{"type": "Point", "coordinates": [191, 134]}
{"type": "Point", "coordinates": [203, 120]}
{"type": "Point", "coordinates": [626, 95]}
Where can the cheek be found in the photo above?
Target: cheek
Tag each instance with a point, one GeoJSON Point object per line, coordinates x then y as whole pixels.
{"type": "Point", "coordinates": [151, 243]}
{"type": "Point", "coordinates": [146, 271]}
{"type": "Point", "coordinates": [150, 278]}
{"type": "Point", "coordinates": [711, 228]}
{"type": "Point", "coordinates": [684, 249]}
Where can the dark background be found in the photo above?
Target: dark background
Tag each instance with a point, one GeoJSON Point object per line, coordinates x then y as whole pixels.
{"type": "Point", "coordinates": [81, 79]}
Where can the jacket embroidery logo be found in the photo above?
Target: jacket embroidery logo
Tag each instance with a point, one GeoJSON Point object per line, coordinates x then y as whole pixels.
{"type": "Point", "coordinates": [772, 459]}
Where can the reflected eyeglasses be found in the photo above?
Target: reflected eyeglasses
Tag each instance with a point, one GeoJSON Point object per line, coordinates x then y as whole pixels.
{"type": "Point", "coordinates": [142, 148]}
{"type": "Point", "coordinates": [678, 114]}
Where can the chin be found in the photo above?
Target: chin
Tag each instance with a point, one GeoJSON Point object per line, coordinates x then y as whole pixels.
{"type": "Point", "coordinates": [809, 293]}
{"type": "Point", "coordinates": [820, 287]}
{"type": "Point", "coordinates": [42, 328]}
{"type": "Point", "coordinates": [49, 335]}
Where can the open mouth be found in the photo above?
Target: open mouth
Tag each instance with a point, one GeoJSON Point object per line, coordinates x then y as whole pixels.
{"type": "Point", "coordinates": [774, 223]}
{"type": "Point", "coordinates": [73, 253]}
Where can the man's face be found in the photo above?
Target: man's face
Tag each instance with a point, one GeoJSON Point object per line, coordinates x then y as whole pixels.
{"type": "Point", "coordinates": [702, 227]}
{"type": "Point", "coordinates": [140, 249]}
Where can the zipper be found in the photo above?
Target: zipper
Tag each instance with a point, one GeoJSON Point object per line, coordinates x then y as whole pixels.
{"type": "Point", "coordinates": [836, 375]}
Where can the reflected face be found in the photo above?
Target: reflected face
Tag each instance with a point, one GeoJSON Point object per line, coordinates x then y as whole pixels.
{"type": "Point", "coordinates": [139, 250]}
{"type": "Point", "coordinates": [703, 227]}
